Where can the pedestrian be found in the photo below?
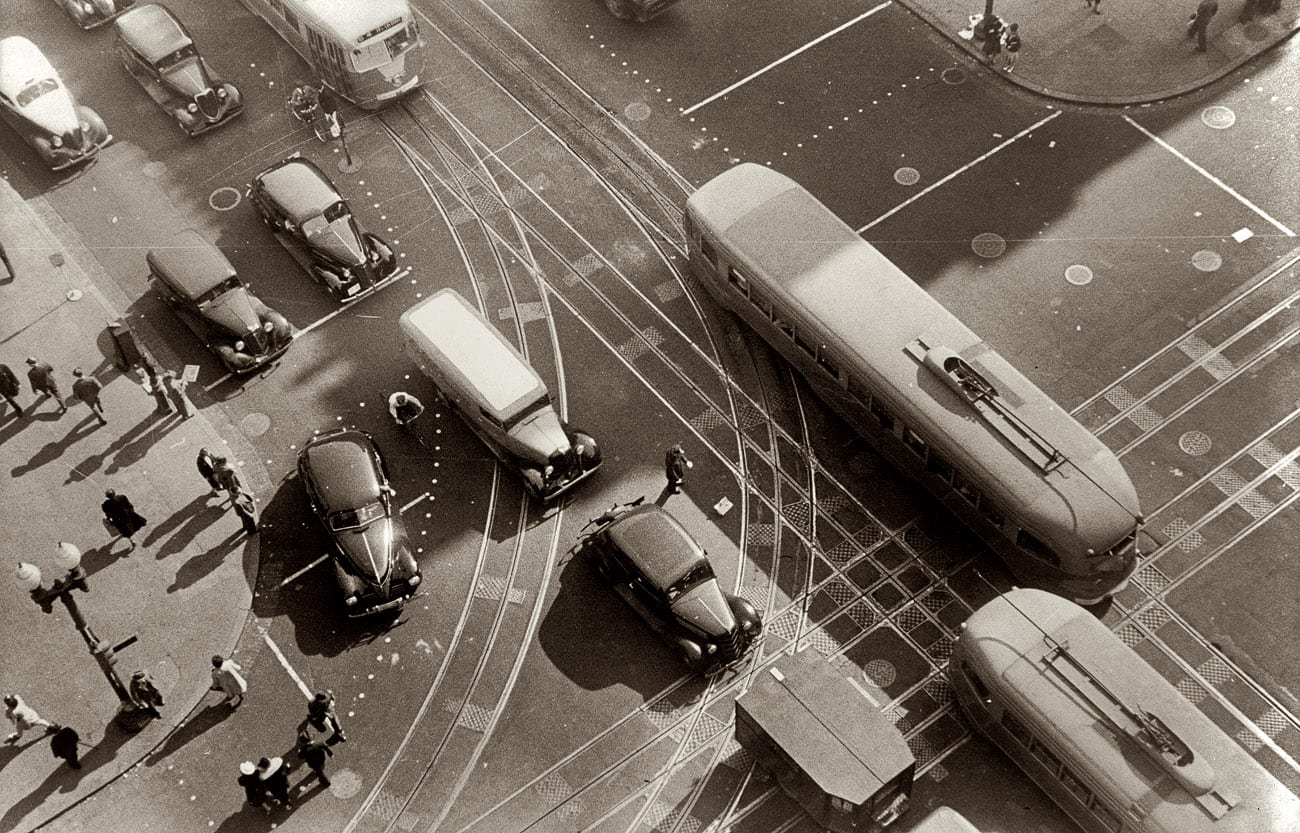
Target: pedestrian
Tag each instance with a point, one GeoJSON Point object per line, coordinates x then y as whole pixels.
{"type": "Point", "coordinates": [1010, 46]}
{"type": "Point", "coordinates": [144, 693]}
{"type": "Point", "coordinates": [227, 679]}
{"type": "Point", "coordinates": [1199, 22]}
{"type": "Point", "coordinates": [152, 385]}
{"type": "Point", "coordinates": [9, 387]}
{"type": "Point", "coordinates": [41, 376]}
{"type": "Point", "coordinates": [313, 753]}
{"type": "Point", "coordinates": [87, 388]}
{"type": "Point", "coordinates": [321, 715]}
{"type": "Point", "coordinates": [1095, 5]}
{"type": "Point", "coordinates": [404, 408]}
{"type": "Point", "coordinates": [227, 476]}
{"type": "Point", "coordinates": [675, 465]}
{"type": "Point", "coordinates": [64, 745]}
{"type": "Point", "coordinates": [274, 775]}
{"type": "Point", "coordinates": [23, 717]}
{"type": "Point", "coordinates": [992, 45]}
{"type": "Point", "coordinates": [246, 508]}
{"type": "Point", "coordinates": [207, 465]}
{"type": "Point", "coordinates": [175, 388]}
{"type": "Point", "coordinates": [254, 790]}
{"type": "Point", "coordinates": [121, 515]}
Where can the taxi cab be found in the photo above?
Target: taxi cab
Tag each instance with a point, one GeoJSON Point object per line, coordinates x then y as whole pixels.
{"type": "Point", "coordinates": [34, 102]}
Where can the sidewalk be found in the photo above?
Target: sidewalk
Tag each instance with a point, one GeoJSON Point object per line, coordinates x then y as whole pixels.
{"type": "Point", "coordinates": [1134, 52]}
{"type": "Point", "coordinates": [185, 589]}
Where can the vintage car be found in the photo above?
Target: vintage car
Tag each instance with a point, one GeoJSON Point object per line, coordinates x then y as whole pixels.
{"type": "Point", "coordinates": [92, 13]}
{"type": "Point", "coordinates": [35, 103]}
{"type": "Point", "coordinates": [159, 53]}
{"type": "Point", "coordinates": [198, 282]}
{"type": "Point", "coordinates": [301, 206]}
{"type": "Point", "coordinates": [347, 483]}
{"type": "Point", "coordinates": [664, 575]}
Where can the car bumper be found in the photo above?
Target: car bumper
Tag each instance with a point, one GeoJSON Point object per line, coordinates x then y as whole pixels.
{"type": "Point", "coordinates": [548, 495]}
{"type": "Point", "coordinates": [363, 290]}
{"type": "Point", "coordinates": [391, 604]}
{"type": "Point", "coordinates": [202, 125]}
{"type": "Point", "coordinates": [259, 362]}
{"type": "Point", "coordinates": [389, 95]}
{"type": "Point", "coordinates": [59, 159]}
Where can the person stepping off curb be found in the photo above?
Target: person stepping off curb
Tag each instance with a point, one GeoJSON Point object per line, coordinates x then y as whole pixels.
{"type": "Point", "coordinates": [227, 679]}
{"type": "Point", "coordinates": [87, 388]}
{"type": "Point", "coordinates": [207, 463]}
{"type": "Point", "coordinates": [23, 717]}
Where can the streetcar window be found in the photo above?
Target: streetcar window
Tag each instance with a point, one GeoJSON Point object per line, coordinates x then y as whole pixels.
{"type": "Point", "coordinates": [784, 326]}
{"type": "Point", "coordinates": [859, 393]}
{"type": "Point", "coordinates": [738, 280]}
{"type": "Point", "coordinates": [991, 514]}
{"type": "Point", "coordinates": [827, 365]}
{"type": "Point", "coordinates": [688, 225]}
{"type": "Point", "coordinates": [370, 56]}
{"type": "Point", "coordinates": [1108, 820]}
{"type": "Point", "coordinates": [965, 488]}
{"type": "Point", "coordinates": [278, 7]}
{"type": "Point", "coordinates": [291, 19]}
{"type": "Point", "coordinates": [1046, 756]}
{"type": "Point", "coordinates": [1076, 787]}
{"type": "Point", "coordinates": [939, 464]}
{"type": "Point", "coordinates": [977, 683]}
{"type": "Point", "coordinates": [1015, 728]}
{"type": "Point", "coordinates": [882, 415]}
{"type": "Point", "coordinates": [1030, 543]}
{"type": "Point", "coordinates": [762, 303]}
{"type": "Point", "coordinates": [805, 346]}
{"type": "Point", "coordinates": [706, 249]}
{"type": "Point", "coordinates": [914, 442]}
{"type": "Point", "coordinates": [841, 805]}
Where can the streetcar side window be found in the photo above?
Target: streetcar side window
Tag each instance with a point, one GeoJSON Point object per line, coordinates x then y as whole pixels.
{"type": "Point", "coordinates": [859, 393]}
{"type": "Point", "coordinates": [938, 464]}
{"type": "Point", "coordinates": [761, 302]}
{"type": "Point", "coordinates": [965, 488]}
{"type": "Point", "coordinates": [291, 19]}
{"type": "Point", "coordinates": [882, 414]}
{"type": "Point", "coordinates": [1076, 787]}
{"type": "Point", "coordinates": [707, 250]}
{"type": "Point", "coordinates": [277, 7]}
{"type": "Point", "coordinates": [841, 805]}
{"type": "Point", "coordinates": [991, 513]}
{"type": "Point", "coordinates": [1046, 756]}
{"type": "Point", "coordinates": [804, 346]}
{"type": "Point", "coordinates": [1015, 728]}
{"type": "Point", "coordinates": [738, 280]}
{"type": "Point", "coordinates": [784, 326]}
{"type": "Point", "coordinates": [827, 364]}
{"type": "Point", "coordinates": [1108, 820]}
{"type": "Point", "coordinates": [914, 442]}
{"type": "Point", "coordinates": [977, 683]}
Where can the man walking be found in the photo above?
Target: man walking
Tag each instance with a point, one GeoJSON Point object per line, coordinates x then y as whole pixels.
{"type": "Point", "coordinates": [175, 386]}
{"type": "Point", "coordinates": [9, 387]}
{"type": "Point", "coordinates": [246, 508]}
{"type": "Point", "coordinates": [1200, 22]}
{"type": "Point", "coordinates": [41, 376]}
{"type": "Point", "coordinates": [150, 381]}
{"type": "Point", "coordinates": [274, 775]}
{"type": "Point", "coordinates": [675, 465]}
{"type": "Point", "coordinates": [207, 466]}
{"type": "Point", "coordinates": [64, 745]}
{"type": "Point", "coordinates": [144, 693]}
{"type": "Point", "coordinates": [23, 717]}
{"type": "Point", "coordinates": [1010, 46]}
{"type": "Point", "coordinates": [313, 753]}
{"type": "Point", "coordinates": [254, 791]}
{"type": "Point", "coordinates": [404, 408]}
{"type": "Point", "coordinates": [322, 717]}
{"type": "Point", "coordinates": [227, 679]}
{"type": "Point", "coordinates": [87, 388]}
{"type": "Point", "coordinates": [121, 515]}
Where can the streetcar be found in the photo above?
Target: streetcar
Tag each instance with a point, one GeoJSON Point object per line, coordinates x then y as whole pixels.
{"type": "Point", "coordinates": [936, 400]}
{"type": "Point", "coordinates": [827, 745]}
{"type": "Point", "coordinates": [1113, 743]}
{"type": "Point", "coordinates": [369, 53]}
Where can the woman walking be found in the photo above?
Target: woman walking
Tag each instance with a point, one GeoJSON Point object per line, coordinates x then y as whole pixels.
{"type": "Point", "coordinates": [121, 515]}
{"type": "Point", "coordinates": [227, 679]}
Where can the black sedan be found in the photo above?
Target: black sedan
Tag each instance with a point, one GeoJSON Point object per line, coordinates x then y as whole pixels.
{"type": "Point", "coordinates": [159, 53]}
{"type": "Point", "coordinates": [300, 204]}
{"type": "Point", "coordinates": [665, 576]}
{"type": "Point", "coordinates": [198, 282]}
{"type": "Point", "coordinates": [347, 483]}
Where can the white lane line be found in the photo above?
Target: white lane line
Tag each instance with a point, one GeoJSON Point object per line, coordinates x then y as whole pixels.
{"type": "Point", "coordinates": [1211, 177]}
{"type": "Point", "coordinates": [275, 649]}
{"type": "Point", "coordinates": [303, 570]}
{"type": "Point", "coordinates": [387, 283]}
{"type": "Point", "coordinates": [785, 58]}
{"type": "Point", "coordinates": [978, 159]}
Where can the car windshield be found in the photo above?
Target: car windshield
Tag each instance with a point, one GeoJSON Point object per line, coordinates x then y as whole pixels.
{"type": "Point", "coordinates": [36, 90]}
{"type": "Point", "coordinates": [316, 225]}
{"type": "Point", "coordinates": [217, 291]}
{"type": "Point", "coordinates": [172, 59]}
{"type": "Point", "coordinates": [697, 575]}
{"type": "Point", "coordinates": [353, 518]}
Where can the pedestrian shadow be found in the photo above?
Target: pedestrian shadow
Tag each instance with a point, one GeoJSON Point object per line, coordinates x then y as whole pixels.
{"type": "Point", "coordinates": [83, 470]}
{"type": "Point", "coordinates": [64, 778]}
{"type": "Point", "coordinates": [132, 451]}
{"type": "Point", "coordinates": [9, 751]}
{"type": "Point", "coordinates": [94, 560]}
{"type": "Point", "coordinates": [196, 568]}
{"type": "Point", "coordinates": [17, 424]}
{"type": "Point", "coordinates": [187, 522]}
{"type": "Point", "coordinates": [54, 449]}
{"type": "Point", "coordinates": [188, 731]}
{"type": "Point", "coordinates": [668, 492]}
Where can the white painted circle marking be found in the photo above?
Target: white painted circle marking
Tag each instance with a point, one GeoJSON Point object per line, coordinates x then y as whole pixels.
{"type": "Point", "coordinates": [907, 176]}
{"type": "Point", "coordinates": [235, 198]}
{"type": "Point", "coordinates": [1078, 274]}
{"type": "Point", "coordinates": [988, 245]}
{"type": "Point", "coordinates": [1218, 117]}
{"type": "Point", "coordinates": [1207, 260]}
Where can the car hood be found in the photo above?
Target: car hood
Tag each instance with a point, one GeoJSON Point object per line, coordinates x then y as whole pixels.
{"type": "Point", "coordinates": [340, 241]}
{"type": "Point", "coordinates": [704, 607]}
{"type": "Point", "coordinates": [541, 435]}
{"type": "Point", "coordinates": [54, 112]}
{"type": "Point", "coordinates": [233, 311]}
{"type": "Point", "coordinates": [370, 550]}
{"type": "Point", "coordinates": [187, 77]}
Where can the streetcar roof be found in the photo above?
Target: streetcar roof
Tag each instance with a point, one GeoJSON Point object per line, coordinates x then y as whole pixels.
{"type": "Point", "coordinates": [873, 313]}
{"type": "Point", "coordinates": [447, 328]}
{"type": "Point", "coordinates": [1005, 643]}
{"type": "Point", "coordinates": [945, 820]}
{"type": "Point", "coordinates": [350, 20]}
{"type": "Point", "coordinates": [828, 727]}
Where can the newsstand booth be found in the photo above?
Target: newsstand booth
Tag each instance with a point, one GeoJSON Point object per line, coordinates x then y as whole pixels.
{"type": "Point", "coordinates": [827, 745]}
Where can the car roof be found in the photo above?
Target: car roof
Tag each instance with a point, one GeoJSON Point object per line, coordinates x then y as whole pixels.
{"type": "Point", "coordinates": [342, 469]}
{"type": "Point", "coordinates": [656, 543]}
{"type": "Point", "coordinates": [190, 263]}
{"type": "Point", "coordinates": [153, 31]}
{"type": "Point", "coordinates": [299, 188]}
{"type": "Point", "coordinates": [21, 63]}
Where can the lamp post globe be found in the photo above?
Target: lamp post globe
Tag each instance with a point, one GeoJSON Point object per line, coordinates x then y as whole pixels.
{"type": "Point", "coordinates": [67, 556]}
{"type": "Point", "coordinates": [28, 576]}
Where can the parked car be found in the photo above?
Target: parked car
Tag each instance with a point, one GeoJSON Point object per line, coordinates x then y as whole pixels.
{"type": "Point", "coordinates": [198, 282]}
{"type": "Point", "coordinates": [92, 13]}
{"type": "Point", "coordinates": [159, 53]}
{"type": "Point", "coordinates": [347, 483]}
{"type": "Point", "coordinates": [304, 210]}
{"type": "Point", "coordinates": [35, 103]}
{"type": "Point", "coordinates": [664, 575]}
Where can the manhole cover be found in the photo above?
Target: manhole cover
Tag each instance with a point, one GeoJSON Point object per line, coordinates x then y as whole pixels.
{"type": "Point", "coordinates": [1194, 443]}
{"type": "Point", "coordinates": [1218, 117]}
{"type": "Point", "coordinates": [1078, 274]}
{"type": "Point", "coordinates": [345, 783]}
{"type": "Point", "coordinates": [637, 111]}
{"type": "Point", "coordinates": [953, 76]}
{"type": "Point", "coordinates": [907, 176]}
{"type": "Point", "coordinates": [255, 425]}
{"type": "Point", "coordinates": [1207, 261]}
{"type": "Point", "coordinates": [988, 244]}
{"type": "Point", "coordinates": [881, 672]}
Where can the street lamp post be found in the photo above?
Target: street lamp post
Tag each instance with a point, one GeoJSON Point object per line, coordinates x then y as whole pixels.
{"type": "Point", "coordinates": [28, 577]}
{"type": "Point", "coordinates": [981, 30]}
